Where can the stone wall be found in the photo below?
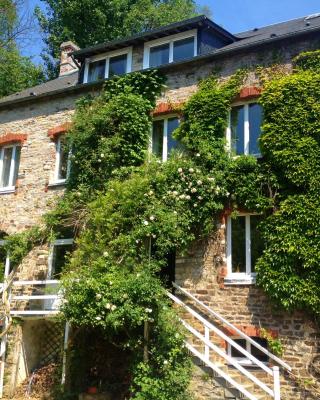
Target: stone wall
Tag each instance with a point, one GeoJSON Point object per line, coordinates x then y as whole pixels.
{"type": "Point", "coordinates": [246, 306]}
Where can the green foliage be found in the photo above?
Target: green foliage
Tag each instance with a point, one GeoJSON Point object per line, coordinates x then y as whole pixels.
{"type": "Point", "coordinates": [16, 72]}
{"type": "Point", "coordinates": [308, 60]}
{"type": "Point", "coordinates": [289, 268]}
{"type": "Point", "coordinates": [88, 22]}
{"type": "Point", "coordinates": [274, 344]}
{"type": "Point", "coordinates": [113, 130]}
{"type": "Point", "coordinates": [112, 282]}
{"type": "Point", "coordinates": [20, 244]}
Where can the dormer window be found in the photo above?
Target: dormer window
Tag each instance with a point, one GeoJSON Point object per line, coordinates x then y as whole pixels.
{"type": "Point", "coordinates": [170, 49]}
{"type": "Point", "coordinates": [107, 65]}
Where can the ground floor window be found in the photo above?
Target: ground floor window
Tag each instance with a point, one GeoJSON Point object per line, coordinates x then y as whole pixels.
{"type": "Point", "coordinates": [250, 348]}
{"type": "Point", "coordinates": [59, 253]}
{"type": "Point", "coordinates": [244, 245]}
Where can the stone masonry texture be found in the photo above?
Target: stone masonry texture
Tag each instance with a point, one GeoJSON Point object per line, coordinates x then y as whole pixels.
{"type": "Point", "coordinates": [202, 271]}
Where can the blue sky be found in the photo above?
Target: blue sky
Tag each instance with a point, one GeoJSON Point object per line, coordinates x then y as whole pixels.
{"type": "Point", "coordinates": [233, 15]}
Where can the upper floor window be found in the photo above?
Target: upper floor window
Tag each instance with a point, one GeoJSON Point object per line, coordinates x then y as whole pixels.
{"type": "Point", "coordinates": [62, 166]}
{"type": "Point", "coordinates": [244, 129]}
{"type": "Point", "coordinates": [170, 49]}
{"type": "Point", "coordinates": [9, 166]}
{"type": "Point", "coordinates": [244, 246]}
{"type": "Point", "coordinates": [162, 141]}
{"type": "Point", "coordinates": [107, 65]}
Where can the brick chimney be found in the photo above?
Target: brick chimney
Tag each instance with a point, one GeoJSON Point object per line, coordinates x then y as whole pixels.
{"type": "Point", "coordinates": [67, 64]}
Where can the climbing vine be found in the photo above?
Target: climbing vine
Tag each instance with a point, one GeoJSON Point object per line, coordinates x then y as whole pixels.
{"type": "Point", "coordinates": [129, 210]}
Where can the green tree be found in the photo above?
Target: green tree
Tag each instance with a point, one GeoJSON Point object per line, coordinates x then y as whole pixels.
{"type": "Point", "coordinates": [16, 72]}
{"type": "Point", "coordinates": [88, 22]}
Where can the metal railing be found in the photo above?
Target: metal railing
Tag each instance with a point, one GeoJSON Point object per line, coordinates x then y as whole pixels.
{"type": "Point", "coordinates": [51, 302]}
{"type": "Point", "coordinates": [210, 347]}
{"type": "Point", "coordinates": [239, 333]}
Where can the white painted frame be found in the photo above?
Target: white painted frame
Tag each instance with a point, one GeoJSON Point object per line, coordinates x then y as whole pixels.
{"type": "Point", "coordinates": [11, 186]}
{"type": "Point", "coordinates": [56, 179]}
{"type": "Point", "coordinates": [247, 276]}
{"type": "Point", "coordinates": [165, 134]}
{"type": "Point", "coordinates": [242, 360]}
{"type": "Point", "coordinates": [7, 262]}
{"type": "Point", "coordinates": [58, 242]}
{"type": "Point", "coordinates": [107, 56]}
{"type": "Point", "coordinates": [169, 40]}
{"type": "Point", "coordinates": [246, 129]}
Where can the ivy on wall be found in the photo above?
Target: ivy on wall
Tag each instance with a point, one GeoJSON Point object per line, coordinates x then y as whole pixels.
{"type": "Point", "coordinates": [123, 204]}
{"type": "Point", "coordinates": [289, 267]}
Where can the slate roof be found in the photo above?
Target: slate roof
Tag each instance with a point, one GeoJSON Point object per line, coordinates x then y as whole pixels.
{"type": "Point", "coordinates": [243, 40]}
{"type": "Point", "coordinates": [163, 31]}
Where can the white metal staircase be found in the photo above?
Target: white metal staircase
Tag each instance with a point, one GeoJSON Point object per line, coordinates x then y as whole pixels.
{"type": "Point", "coordinates": [205, 328]}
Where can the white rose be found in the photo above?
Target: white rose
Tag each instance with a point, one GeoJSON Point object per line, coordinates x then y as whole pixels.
{"type": "Point", "coordinates": [193, 190]}
{"type": "Point", "coordinates": [191, 170]}
{"type": "Point", "coordinates": [152, 218]}
{"type": "Point", "coordinates": [145, 222]}
{"type": "Point", "coordinates": [180, 170]}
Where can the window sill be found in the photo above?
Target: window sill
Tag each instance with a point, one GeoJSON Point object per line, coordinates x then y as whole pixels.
{"type": "Point", "coordinates": [232, 280]}
{"type": "Point", "coordinates": [7, 190]}
{"type": "Point", "coordinates": [57, 183]}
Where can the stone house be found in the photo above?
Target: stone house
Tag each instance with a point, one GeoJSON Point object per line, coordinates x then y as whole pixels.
{"type": "Point", "coordinates": [218, 276]}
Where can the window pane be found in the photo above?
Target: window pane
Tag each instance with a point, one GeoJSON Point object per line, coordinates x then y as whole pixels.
{"type": "Point", "coordinates": [173, 124]}
{"type": "Point", "coordinates": [3, 257]}
{"type": "Point", "coordinates": [238, 243]}
{"type": "Point", "coordinates": [236, 353]}
{"type": "Point", "coordinates": [63, 165]}
{"type": "Point", "coordinates": [258, 353]}
{"type": "Point", "coordinates": [237, 129]}
{"type": "Point", "coordinates": [118, 65]}
{"type": "Point", "coordinates": [159, 55]}
{"type": "Point", "coordinates": [256, 240]}
{"type": "Point", "coordinates": [59, 258]}
{"type": "Point", "coordinates": [96, 71]}
{"type": "Point", "coordinates": [16, 165]}
{"type": "Point", "coordinates": [183, 49]}
{"type": "Point", "coordinates": [255, 120]}
{"type": "Point", "coordinates": [6, 166]}
{"type": "Point", "coordinates": [157, 138]}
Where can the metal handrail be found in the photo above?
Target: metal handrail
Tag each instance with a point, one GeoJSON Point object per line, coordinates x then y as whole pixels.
{"type": "Point", "coordinates": [275, 393]}
{"type": "Point", "coordinates": [229, 359]}
{"type": "Point", "coordinates": [222, 335]}
{"type": "Point", "coordinates": [234, 328]}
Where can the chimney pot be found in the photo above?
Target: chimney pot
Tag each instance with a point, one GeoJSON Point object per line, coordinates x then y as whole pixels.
{"type": "Point", "coordinates": [67, 64]}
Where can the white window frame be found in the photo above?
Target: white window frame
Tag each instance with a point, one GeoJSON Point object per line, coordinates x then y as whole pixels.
{"type": "Point", "coordinates": [7, 263]}
{"type": "Point", "coordinates": [11, 187]}
{"type": "Point", "coordinates": [242, 360]}
{"type": "Point", "coordinates": [239, 277]}
{"type": "Point", "coordinates": [169, 40]}
{"type": "Point", "coordinates": [107, 56]}
{"type": "Point", "coordinates": [56, 180]}
{"type": "Point", "coordinates": [246, 129]}
{"type": "Point", "coordinates": [165, 134]}
{"type": "Point", "coordinates": [57, 242]}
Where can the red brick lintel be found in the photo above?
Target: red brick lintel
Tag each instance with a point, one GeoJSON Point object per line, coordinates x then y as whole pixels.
{"type": "Point", "coordinates": [249, 330]}
{"type": "Point", "coordinates": [248, 93]}
{"type": "Point", "coordinates": [166, 108]}
{"type": "Point", "coordinates": [58, 130]}
{"type": "Point", "coordinates": [11, 137]}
